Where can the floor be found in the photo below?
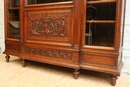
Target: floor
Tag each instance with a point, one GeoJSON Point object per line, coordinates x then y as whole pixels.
{"type": "Point", "coordinates": [35, 74]}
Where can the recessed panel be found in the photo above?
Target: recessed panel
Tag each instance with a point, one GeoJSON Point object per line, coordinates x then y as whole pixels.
{"type": "Point", "coordinates": [98, 59]}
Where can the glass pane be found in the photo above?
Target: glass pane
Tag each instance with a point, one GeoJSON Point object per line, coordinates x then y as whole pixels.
{"type": "Point", "coordinates": [13, 29]}
{"type": "Point", "coordinates": [13, 3]}
{"type": "Point", "coordinates": [44, 1]}
{"type": "Point", "coordinates": [13, 25]}
{"type": "Point", "coordinates": [100, 22]}
{"type": "Point", "coordinates": [106, 11]}
{"type": "Point", "coordinates": [99, 34]}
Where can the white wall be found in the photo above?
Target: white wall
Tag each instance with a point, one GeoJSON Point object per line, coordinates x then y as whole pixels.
{"type": "Point", "coordinates": [126, 46]}
{"type": "Point", "coordinates": [2, 47]}
{"type": "Point", "coordinates": [126, 50]}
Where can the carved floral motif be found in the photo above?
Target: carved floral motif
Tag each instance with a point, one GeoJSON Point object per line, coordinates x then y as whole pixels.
{"type": "Point", "coordinates": [49, 53]}
{"type": "Point", "coordinates": [48, 25]}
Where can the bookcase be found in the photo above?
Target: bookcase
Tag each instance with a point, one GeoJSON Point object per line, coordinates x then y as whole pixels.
{"type": "Point", "coordinates": [77, 34]}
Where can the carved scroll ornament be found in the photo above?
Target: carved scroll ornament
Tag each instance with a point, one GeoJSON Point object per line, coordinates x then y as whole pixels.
{"type": "Point", "coordinates": [49, 53]}
{"type": "Point", "coordinates": [48, 25]}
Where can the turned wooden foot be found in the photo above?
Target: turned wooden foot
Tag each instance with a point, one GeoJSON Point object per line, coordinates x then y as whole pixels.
{"type": "Point", "coordinates": [76, 74]}
{"type": "Point", "coordinates": [113, 80]}
{"type": "Point", "coordinates": [7, 58]}
{"type": "Point", "coordinates": [23, 63]}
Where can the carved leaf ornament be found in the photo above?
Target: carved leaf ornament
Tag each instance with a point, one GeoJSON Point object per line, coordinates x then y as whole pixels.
{"type": "Point", "coordinates": [45, 24]}
{"type": "Point", "coordinates": [49, 53]}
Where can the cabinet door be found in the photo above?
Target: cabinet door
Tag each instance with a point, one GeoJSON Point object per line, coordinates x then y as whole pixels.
{"type": "Point", "coordinates": [49, 21]}
{"type": "Point", "coordinates": [101, 28]}
{"type": "Point", "coordinates": [100, 24]}
{"type": "Point", "coordinates": [12, 24]}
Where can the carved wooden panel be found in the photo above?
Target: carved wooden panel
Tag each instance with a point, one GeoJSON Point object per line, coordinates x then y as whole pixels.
{"type": "Point", "coordinates": [48, 26]}
{"type": "Point", "coordinates": [49, 53]}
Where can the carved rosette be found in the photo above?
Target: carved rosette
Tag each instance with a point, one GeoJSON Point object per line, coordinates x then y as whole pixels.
{"type": "Point", "coordinates": [49, 53]}
{"type": "Point", "coordinates": [48, 26]}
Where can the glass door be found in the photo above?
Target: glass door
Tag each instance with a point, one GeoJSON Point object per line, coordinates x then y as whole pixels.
{"type": "Point", "coordinates": [100, 22]}
{"type": "Point", "coordinates": [12, 17]}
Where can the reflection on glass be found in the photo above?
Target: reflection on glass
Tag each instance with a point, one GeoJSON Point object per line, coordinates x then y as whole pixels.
{"type": "Point", "coordinates": [100, 24]}
{"type": "Point", "coordinates": [14, 29]}
{"type": "Point", "coordinates": [99, 34]}
{"type": "Point", "coordinates": [13, 24]}
{"type": "Point", "coordinates": [45, 1]}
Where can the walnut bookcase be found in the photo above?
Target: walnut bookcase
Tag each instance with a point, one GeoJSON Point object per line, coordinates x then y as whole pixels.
{"type": "Point", "coordinates": [78, 34]}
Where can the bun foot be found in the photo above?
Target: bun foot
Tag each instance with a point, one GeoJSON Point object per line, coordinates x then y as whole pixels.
{"type": "Point", "coordinates": [23, 63]}
{"type": "Point", "coordinates": [76, 74]}
{"type": "Point", "coordinates": [7, 58]}
{"type": "Point", "coordinates": [113, 80]}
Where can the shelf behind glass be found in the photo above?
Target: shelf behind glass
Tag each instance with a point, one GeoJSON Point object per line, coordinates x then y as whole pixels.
{"type": "Point", "coordinates": [100, 21]}
{"type": "Point", "coordinates": [13, 8]}
{"type": "Point", "coordinates": [29, 2]}
{"type": "Point", "coordinates": [100, 1]}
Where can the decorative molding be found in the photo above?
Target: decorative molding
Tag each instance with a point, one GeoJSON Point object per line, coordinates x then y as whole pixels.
{"type": "Point", "coordinates": [50, 26]}
{"type": "Point", "coordinates": [49, 53]}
